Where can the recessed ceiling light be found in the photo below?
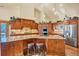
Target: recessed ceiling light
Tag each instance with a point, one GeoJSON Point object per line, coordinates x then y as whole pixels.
{"type": "Point", "coordinates": [43, 16]}
{"type": "Point", "coordinates": [45, 4]}
{"type": "Point", "coordinates": [60, 5]}
{"type": "Point", "coordinates": [62, 10]}
{"type": "Point", "coordinates": [56, 12]}
{"type": "Point", "coordinates": [53, 9]}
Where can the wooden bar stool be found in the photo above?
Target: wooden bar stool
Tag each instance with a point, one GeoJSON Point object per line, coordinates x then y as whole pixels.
{"type": "Point", "coordinates": [41, 49]}
{"type": "Point", "coordinates": [30, 49]}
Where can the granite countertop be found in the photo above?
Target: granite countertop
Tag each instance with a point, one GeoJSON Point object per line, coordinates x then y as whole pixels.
{"type": "Point", "coordinates": [24, 37]}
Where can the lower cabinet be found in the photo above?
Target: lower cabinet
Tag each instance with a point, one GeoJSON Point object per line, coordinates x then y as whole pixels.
{"type": "Point", "coordinates": [18, 48]}
{"type": "Point", "coordinates": [12, 48]}
{"type": "Point", "coordinates": [55, 47]}
{"type": "Point", "coordinates": [60, 47]}
{"type": "Point", "coordinates": [51, 46]}
{"type": "Point", "coordinates": [7, 49]}
{"type": "Point", "coordinates": [3, 49]}
{"type": "Point", "coordinates": [78, 51]}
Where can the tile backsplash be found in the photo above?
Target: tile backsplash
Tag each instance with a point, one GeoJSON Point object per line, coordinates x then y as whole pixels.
{"type": "Point", "coordinates": [23, 31]}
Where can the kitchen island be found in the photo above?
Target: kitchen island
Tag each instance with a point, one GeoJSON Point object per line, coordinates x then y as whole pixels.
{"type": "Point", "coordinates": [16, 44]}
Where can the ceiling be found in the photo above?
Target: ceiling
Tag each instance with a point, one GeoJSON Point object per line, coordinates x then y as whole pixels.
{"type": "Point", "coordinates": [51, 10]}
{"type": "Point", "coordinates": [69, 9]}
{"type": "Point", "coordinates": [57, 11]}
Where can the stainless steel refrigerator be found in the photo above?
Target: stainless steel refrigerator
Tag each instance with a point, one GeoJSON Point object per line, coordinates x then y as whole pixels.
{"type": "Point", "coordinates": [70, 34]}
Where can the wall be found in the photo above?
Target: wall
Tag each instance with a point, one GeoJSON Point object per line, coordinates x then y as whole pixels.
{"type": "Point", "coordinates": [27, 11]}
{"type": "Point", "coordinates": [7, 12]}
{"type": "Point", "coordinates": [24, 11]}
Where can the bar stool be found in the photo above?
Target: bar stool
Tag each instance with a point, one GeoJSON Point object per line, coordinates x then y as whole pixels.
{"type": "Point", "coordinates": [30, 49]}
{"type": "Point", "coordinates": [41, 49]}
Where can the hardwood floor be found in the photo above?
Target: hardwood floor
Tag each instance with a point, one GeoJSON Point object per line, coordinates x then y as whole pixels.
{"type": "Point", "coordinates": [71, 51]}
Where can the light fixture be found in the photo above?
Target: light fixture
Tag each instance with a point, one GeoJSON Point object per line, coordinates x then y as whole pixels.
{"type": "Point", "coordinates": [44, 4]}
{"type": "Point", "coordinates": [62, 10]}
{"type": "Point", "coordinates": [56, 12]}
{"type": "Point", "coordinates": [53, 9]}
{"type": "Point", "coordinates": [60, 5]}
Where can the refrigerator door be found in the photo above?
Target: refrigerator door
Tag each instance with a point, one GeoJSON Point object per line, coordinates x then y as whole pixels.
{"type": "Point", "coordinates": [73, 34]}
{"type": "Point", "coordinates": [66, 32]}
{"type": "Point", "coordinates": [70, 34]}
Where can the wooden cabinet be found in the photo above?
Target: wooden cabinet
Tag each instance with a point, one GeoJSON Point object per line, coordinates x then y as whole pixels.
{"type": "Point", "coordinates": [24, 44]}
{"type": "Point", "coordinates": [55, 47]}
{"type": "Point", "coordinates": [24, 47]}
{"type": "Point", "coordinates": [28, 41]}
{"type": "Point", "coordinates": [26, 23]}
{"type": "Point", "coordinates": [29, 23]}
{"type": "Point", "coordinates": [7, 49]}
{"type": "Point", "coordinates": [16, 24]}
{"type": "Point", "coordinates": [21, 23]}
{"type": "Point", "coordinates": [18, 48]}
{"type": "Point", "coordinates": [73, 21]}
{"type": "Point", "coordinates": [51, 46]}
{"type": "Point", "coordinates": [34, 25]}
{"type": "Point", "coordinates": [66, 22]}
{"type": "Point", "coordinates": [60, 47]}
{"type": "Point", "coordinates": [3, 49]}
{"type": "Point", "coordinates": [78, 51]}
{"type": "Point", "coordinates": [12, 48]}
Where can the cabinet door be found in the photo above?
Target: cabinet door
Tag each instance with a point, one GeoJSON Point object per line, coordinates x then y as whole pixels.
{"type": "Point", "coordinates": [51, 46]}
{"type": "Point", "coordinates": [16, 25]}
{"type": "Point", "coordinates": [13, 25]}
{"type": "Point", "coordinates": [10, 48]}
{"type": "Point", "coordinates": [19, 48]}
{"type": "Point", "coordinates": [7, 49]}
{"type": "Point", "coordinates": [55, 47]}
{"type": "Point", "coordinates": [78, 51]}
{"type": "Point", "coordinates": [60, 47]}
{"type": "Point", "coordinates": [3, 49]}
{"type": "Point", "coordinates": [24, 44]}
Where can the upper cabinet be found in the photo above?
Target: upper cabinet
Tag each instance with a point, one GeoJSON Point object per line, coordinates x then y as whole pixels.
{"type": "Point", "coordinates": [58, 28]}
{"type": "Point", "coordinates": [23, 23]}
{"type": "Point", "coordinates": [73, 21]}
{"type": "Point", "coordinates": [16, 24]}
{"type": "Point", "coordinates": [26, 23]}
{"type": "Point", "coordinates": [29, 23]}
{"type": "Point", "coordinates": [34, 25]}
